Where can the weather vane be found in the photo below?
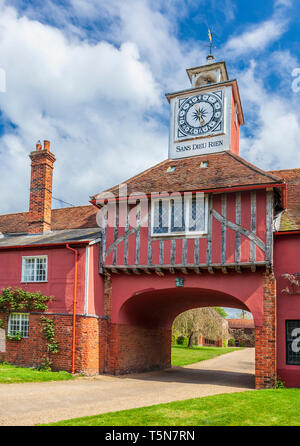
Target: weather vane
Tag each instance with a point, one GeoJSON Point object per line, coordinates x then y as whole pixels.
{"type": "Point", "coordinates": [210, 36]}
{"type": "Point", "coordinates": [210, 45]}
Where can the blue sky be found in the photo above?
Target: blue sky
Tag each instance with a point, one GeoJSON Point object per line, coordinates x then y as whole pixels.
{"type": "Point", "coordinates": [91, 76]}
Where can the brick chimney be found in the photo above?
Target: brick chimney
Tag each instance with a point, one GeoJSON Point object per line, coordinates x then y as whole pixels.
{"type": "Point", "coordinates": [42, 160]}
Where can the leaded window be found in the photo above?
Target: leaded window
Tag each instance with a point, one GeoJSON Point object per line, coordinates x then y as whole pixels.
{"type": "Point", "coordinates": [181, 215]}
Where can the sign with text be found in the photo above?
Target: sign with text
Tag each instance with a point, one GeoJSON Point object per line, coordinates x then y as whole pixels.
{"type": "Point", "coordinates": [197, 147]}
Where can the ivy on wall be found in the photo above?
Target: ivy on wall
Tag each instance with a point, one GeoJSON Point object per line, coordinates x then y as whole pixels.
{"type": "Point", "coordinates": [22, 301]}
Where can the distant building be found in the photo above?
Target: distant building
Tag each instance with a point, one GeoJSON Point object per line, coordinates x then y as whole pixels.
{"type": "Point", "coordinates": [243, 331]}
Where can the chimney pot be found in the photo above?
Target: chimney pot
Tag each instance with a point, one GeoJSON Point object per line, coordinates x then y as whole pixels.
{"type": "Point", "coordinates": [38, 146]}
{"type": "Point", "coordinates": [47, 145]}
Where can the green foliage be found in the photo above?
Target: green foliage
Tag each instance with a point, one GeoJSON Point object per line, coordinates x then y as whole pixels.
{"type": "Point", "coordinates": [1, 323]}
{"type": "Point", "coordinates": [173, 339]}
{"type": "Point", "coordinates": [221, 311]}
{"type": "Point", "coordinates": [180, 340]}
{"type": "Point", "coordinates": [45, 364]}
{"type": "Point", "coordinates": [14, 374]}
{"type": "Point", "coordinates": [224, 342]}
{"type": "Point", "coordinates": [231, 342]}
{"type": "Point", "coordinates": [48, 331]}
{"type": "Point", "coordinates": [16, 336]}
{"type": "Point", "coordinates": [280, 384]}
{"type": "Point", "coordinates": [18, 300]}
{"type": "Point", "coordinates": [253, 408]}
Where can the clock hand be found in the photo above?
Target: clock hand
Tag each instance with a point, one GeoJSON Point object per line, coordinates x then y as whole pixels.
{"type": "Point", "coordinates": [202, 122]}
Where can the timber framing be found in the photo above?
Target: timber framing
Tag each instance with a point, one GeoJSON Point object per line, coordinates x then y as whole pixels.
{"type": "Point", "coordinates": [161, 270]}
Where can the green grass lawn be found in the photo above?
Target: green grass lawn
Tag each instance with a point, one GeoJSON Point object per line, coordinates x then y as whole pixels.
{"type": "Point", "coordinates": [182, 355]}
{"type": "Point", "coordinates": [280, 407]}
{"type": "Point", "coordinates": [13, 374]}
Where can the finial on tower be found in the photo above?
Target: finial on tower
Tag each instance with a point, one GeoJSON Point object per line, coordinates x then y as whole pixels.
{"type": "Point", "coordinates": [210, 58]}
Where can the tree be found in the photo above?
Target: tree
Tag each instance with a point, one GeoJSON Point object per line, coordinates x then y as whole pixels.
{"type": "Point", "coordinates": [221, 311]}
{"type": "Point", "coordinates": [206, 321]}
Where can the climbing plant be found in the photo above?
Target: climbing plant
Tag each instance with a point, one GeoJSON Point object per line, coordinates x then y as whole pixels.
{"type": "Point", "coordinates": [48, 331]}
{"type": "Point", "coordinates": [19, 300]}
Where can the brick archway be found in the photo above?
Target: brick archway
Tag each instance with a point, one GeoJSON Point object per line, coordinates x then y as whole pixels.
{"type": "Point", "coordinates": [139, 323]}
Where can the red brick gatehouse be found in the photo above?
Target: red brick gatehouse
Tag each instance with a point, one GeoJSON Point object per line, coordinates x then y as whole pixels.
{"type": "Point", "coordinates": [202, 228]}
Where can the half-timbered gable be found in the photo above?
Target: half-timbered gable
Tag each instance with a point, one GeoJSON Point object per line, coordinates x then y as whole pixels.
{"type": "Point", "coordinates": [205, 212]}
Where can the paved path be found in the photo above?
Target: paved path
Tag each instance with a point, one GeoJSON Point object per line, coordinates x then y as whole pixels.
{"type": "Point", "coordinates": [32, 403]}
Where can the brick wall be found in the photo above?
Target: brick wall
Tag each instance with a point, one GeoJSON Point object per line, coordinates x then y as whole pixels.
{"type": "Point", "coordinates": [137, 349]}
{"type": "Point", "coordinates": [90, 337]}
{"type": "Point", "coordinates": [42, 160]}
{"type": "Point", "coordinates": [265, 338]}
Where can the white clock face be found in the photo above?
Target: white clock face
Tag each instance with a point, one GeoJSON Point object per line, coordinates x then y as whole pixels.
{"type": "Point", "coordinates": [200, 115]}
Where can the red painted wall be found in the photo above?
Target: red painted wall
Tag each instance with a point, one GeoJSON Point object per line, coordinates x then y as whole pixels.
{"type": "Point", "coordinates": [286, 259]}
{"type": "Point", "coordinates": [60, 277]}
{"type": "Point", "coordinates": [235, 130]}
{"type": "Point", "coordinates": [156, 301]}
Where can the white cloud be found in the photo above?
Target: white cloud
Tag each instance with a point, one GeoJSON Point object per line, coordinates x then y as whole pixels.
{"type": "Point", "coordinates": [90, 100]}
{"type": "Point", "coordinates": [256, 38]}
{"type": "Point", "coordinates": [275, 124]}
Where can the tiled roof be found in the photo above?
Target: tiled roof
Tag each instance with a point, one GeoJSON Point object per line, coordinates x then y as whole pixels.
{"type": "Point", "coordinates": [290, 218]}
{"type": "Point", "coordinates": [51, 238]}
{"type": "Point", "coordinates": [77, 217]}
{"type": "Point", "coordinates": [224, 170]}
{"type": "Point", "coordinates": [240, 323]}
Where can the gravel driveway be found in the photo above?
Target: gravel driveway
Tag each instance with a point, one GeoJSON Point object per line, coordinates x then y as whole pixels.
{"type": "Point", "coordinates": [32, 403]}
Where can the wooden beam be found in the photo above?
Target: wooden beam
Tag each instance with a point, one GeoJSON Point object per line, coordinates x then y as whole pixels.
{"type": "Point", "coordinates": [238, 269]}
{"type": "Point", "coordinates": [253, 226]}
{"type": "Point", "coordinates": [269, 227]}
{"type": "Point", "coordinates": [240, 229]}
{"type": "Point", "coordinates": [209, 235]}
{"type": "Point", "coordinates": [197, 270]}
{"type": "Point", "coordinates": [138, 234]}
{"type": "Point", "coordinates": [253, 268]}
{"type": "Point", "coordinates": [224, 270]}
{"type": "Point", "coordinates": [136, 271]}
{"type": "Point", "coordinates": [223, 228]}
{"type": "Point", "coordinates": [210, 270]}
{"type": "Point", "coordinates": [184, 270]}
{"type": "Point", "coordinates": [146, 270]}
{"type": "Point", "coordinates": [172, 270]}
{"type": "Point", "coordinates": [115, 271]}
{"type": "Point", "coordinates": [159, 272]}
{"type": "Point", "coordinates": [238, 218]}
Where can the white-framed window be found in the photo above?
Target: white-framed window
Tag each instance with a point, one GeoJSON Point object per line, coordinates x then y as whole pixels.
{"type": "Point", "coordinates": [34, 269]}
{"type": "Point", "coordinates": [18, 323]}
{"type": "Point", "coordinates": [187, 215]}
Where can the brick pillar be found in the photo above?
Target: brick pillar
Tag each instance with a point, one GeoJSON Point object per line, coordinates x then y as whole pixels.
{"type": "Point", "coordinates": [42, 160]}
{"type": "Point", "coordinates": [265, 338]}
{"type": "Point", "coordinates": [107, 294]}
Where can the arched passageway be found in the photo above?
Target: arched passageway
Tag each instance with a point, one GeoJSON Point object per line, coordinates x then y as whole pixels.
{"type": "Point", "coordinates": [141, 318]}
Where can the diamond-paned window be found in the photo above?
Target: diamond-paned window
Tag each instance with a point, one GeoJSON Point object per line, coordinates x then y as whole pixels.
{"type": "Point", "coordinates": [186, 215]}
{"type": "Point", "coordinates": [18, 323]}
{"type": "Point", "coordinates": [34, 269]}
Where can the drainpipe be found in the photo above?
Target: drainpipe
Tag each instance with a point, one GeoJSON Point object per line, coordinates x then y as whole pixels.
{"type": "Point", "coordinates": [76, 253]}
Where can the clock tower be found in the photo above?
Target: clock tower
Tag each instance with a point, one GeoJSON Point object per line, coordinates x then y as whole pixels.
{"type": "Point", "coordinates": [206, 117]}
